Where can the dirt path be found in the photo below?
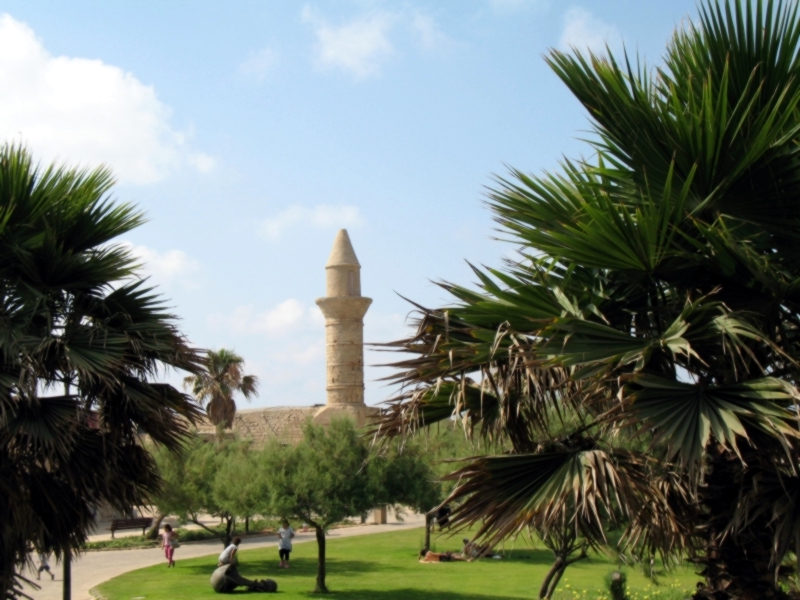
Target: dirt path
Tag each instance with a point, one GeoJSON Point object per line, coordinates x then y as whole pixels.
{"type": "Point", "coordinates": [93, 568]}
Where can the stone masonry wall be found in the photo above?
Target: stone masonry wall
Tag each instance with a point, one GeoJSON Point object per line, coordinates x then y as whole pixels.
{"type": "Point", "coordinates": [262, 425]}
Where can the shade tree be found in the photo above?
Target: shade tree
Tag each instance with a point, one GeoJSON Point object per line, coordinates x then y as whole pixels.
{"type": "Point", "coordinates": [218, 478]}
{"type": "Point", "coordinates": [410, 474]}
{"type": "Point", "coordinates": [334, 473]}
{"type": "Point", "coordinates": [321, 481]}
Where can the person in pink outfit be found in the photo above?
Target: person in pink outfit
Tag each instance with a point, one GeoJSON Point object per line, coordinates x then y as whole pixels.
{"type": "Point", "coordinates": [169, 540]}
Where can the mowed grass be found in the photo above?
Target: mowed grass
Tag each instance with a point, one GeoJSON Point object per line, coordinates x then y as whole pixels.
{"type": "Point", "coordinates": [384, 567]}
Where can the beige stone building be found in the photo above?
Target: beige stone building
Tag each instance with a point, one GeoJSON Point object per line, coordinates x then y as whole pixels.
{"type": "Point", "coordinates": [344, 308]}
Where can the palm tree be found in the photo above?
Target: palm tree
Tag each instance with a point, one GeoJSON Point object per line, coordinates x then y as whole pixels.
{"type": "Point", "coordinates": [81, 339]}
{"type": "Point", "coordinates": [639, 361]}
{"type": "Point", "coordinates": [215, 386]}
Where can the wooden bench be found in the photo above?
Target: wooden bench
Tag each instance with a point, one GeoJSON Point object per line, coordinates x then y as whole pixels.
{"type": "Point", "coordinates": [118, 524]}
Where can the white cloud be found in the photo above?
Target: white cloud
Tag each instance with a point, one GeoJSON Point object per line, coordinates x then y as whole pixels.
{"type": "Point", "coordinates": [202, 162]}
{"type": "Point", "coordinates": [85, 111]}
{"type": "Point", "coordinates": [583, 30]}
{"type": "Point", "coordinates": [258, 64]}
{"type": "Point", "coordinates": [167, 268]}
{"type": "Point", "coordinates": [282, 318]}
{"type": "Point", "coordinates": [299, 354]}
{"type": "Point", "coordinates": [359, 46]}
{"type": "Point", "coordinates": [322, 216]}
{"type": "Point", "coordinates": [290, 338]}
{"type": "Point", "coordinates": [428, 33]}
{"type": "Point", "coordinates": [290, 316]}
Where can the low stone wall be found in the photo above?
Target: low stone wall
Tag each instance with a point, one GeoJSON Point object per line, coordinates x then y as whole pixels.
{"type": "Point", "coordinates": [262, 425]}
{"type": "Point", "coordinates": [285, 424]}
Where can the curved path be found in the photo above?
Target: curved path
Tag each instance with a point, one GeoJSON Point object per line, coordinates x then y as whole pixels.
{"type": "Point", "coordinates": [93, 568]}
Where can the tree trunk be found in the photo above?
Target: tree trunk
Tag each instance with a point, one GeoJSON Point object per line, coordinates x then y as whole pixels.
{"type": "Point", "coordinates": [321, 587]}
{"type": "Point", "coordinates": [555, 581]}
{"type": "Point", "coordinates": [544, 592]}
{"type": "Point", "coordinates": [67, 565]}
{"type": "Point", "coordinates": [735, 566]}
{"type": "Point", "coordinates": [246, 525]}
{"type": "Point", "coordinates": [152, 533]}
{"type": "Point", "coordinates": [229, 524]}
{"type": "Point", "coordinates": [428, 526]}
{"type": "Point", "coordinates": [797, 557]}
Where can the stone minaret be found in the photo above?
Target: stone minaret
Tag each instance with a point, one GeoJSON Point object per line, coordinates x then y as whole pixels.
{"type": "Point", "coordinates": [344, 308]}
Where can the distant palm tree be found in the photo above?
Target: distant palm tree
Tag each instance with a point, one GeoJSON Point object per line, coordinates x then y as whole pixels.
{"type": "Point", "coordinates": [215, 387]}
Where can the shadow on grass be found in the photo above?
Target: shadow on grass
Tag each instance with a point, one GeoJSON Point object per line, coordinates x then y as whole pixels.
{"type": "Point", "coordinates": [401, 594]}
{"type": "Point", "coordinates": [407, 594]}
{"type": "Point", "coordinates": [537, 556]}
{"type": "Point", "coordinates": [301, 567]}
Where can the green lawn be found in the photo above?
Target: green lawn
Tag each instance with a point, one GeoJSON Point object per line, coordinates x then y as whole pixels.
{"type": "Point", "coordinates": [384, 567]}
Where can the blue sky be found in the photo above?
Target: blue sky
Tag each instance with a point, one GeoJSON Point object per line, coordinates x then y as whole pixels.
{"type": "Point", "coordinates": [249, 132]}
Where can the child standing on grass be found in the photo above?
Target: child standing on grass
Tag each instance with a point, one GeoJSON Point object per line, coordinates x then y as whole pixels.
{"type": "Point", "coordinates": [286, 533]}
{"type": "Point", "coordinates": [44, 565]}
{"type": "Point", "coordinates": [169, 540]}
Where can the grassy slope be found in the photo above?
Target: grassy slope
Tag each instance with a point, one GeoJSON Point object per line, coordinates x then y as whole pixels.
{"type": "Point", "coordinates": [384, 567]}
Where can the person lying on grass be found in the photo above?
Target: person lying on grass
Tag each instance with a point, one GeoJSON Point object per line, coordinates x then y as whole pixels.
{"type": "Point", "coordinates": [426, 556]}
{"type": "Point", "coordinates": [470, 552]}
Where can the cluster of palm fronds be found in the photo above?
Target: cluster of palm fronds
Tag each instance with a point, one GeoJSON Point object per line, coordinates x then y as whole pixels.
{"type": "Point", "coordinates": [80, 340]}
{"type": "Point", "coordinates": [216, 384]}
{"type": "Point", "coordinates": [640, 360]}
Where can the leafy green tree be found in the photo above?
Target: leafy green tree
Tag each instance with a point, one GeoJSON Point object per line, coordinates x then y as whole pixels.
{"type": "Point", "coordinates": [219, 479]}
{"type": "Point", "coordinates": [333, 474]}
{"type": "Point", "coordinates": [240, 485]}
{"type": "Point", "coordinates": [405, 477]}
{"type": "Point", "coordinates": [215, 387]}
{"type": "Point", "coordinates": [81, 342]}
{"type": "Point", "coordinates": [408, 474]}
{"type": "Point", "coordinates": [639, 360]}
{"type": "Point", "coordinates": [321, 481]}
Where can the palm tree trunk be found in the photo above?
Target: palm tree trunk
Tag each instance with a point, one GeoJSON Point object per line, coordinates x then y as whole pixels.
{"type": "Point", "coordinates": [545, 591]}
{"type": "Point", "coordinates": [555, 581]}
{"type": "Point", "coordinates": [67, 566]}
{"type": "Point", "coordinates": [797, 556]}
{"type": "Point", "coordinates": [734, 567]}
{"type": "Point", "coordinates": [321, 587]}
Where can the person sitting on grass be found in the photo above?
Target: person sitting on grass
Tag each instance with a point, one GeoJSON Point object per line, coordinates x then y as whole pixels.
{"type": "Point", "coordinates": [228, 556]}
{"type": "Point", "coordinates": [426, 556]}
{"type": "Point", "coordinates": [472, 550]}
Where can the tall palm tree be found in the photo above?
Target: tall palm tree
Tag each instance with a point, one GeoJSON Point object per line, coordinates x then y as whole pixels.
{"type": "Point", "coordinates": [214, 388]}
{"type": "Point", "coordinates": [81, 341]}
{"type": "Point", "coordinates": [640, 360]}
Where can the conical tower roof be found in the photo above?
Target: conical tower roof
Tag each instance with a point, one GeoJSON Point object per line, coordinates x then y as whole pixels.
{"type": "Point", "coordinates": [342, 252]}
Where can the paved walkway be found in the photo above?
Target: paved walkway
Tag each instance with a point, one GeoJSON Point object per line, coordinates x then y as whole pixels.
{"type": "Point", "coordinates": [93, 568]}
